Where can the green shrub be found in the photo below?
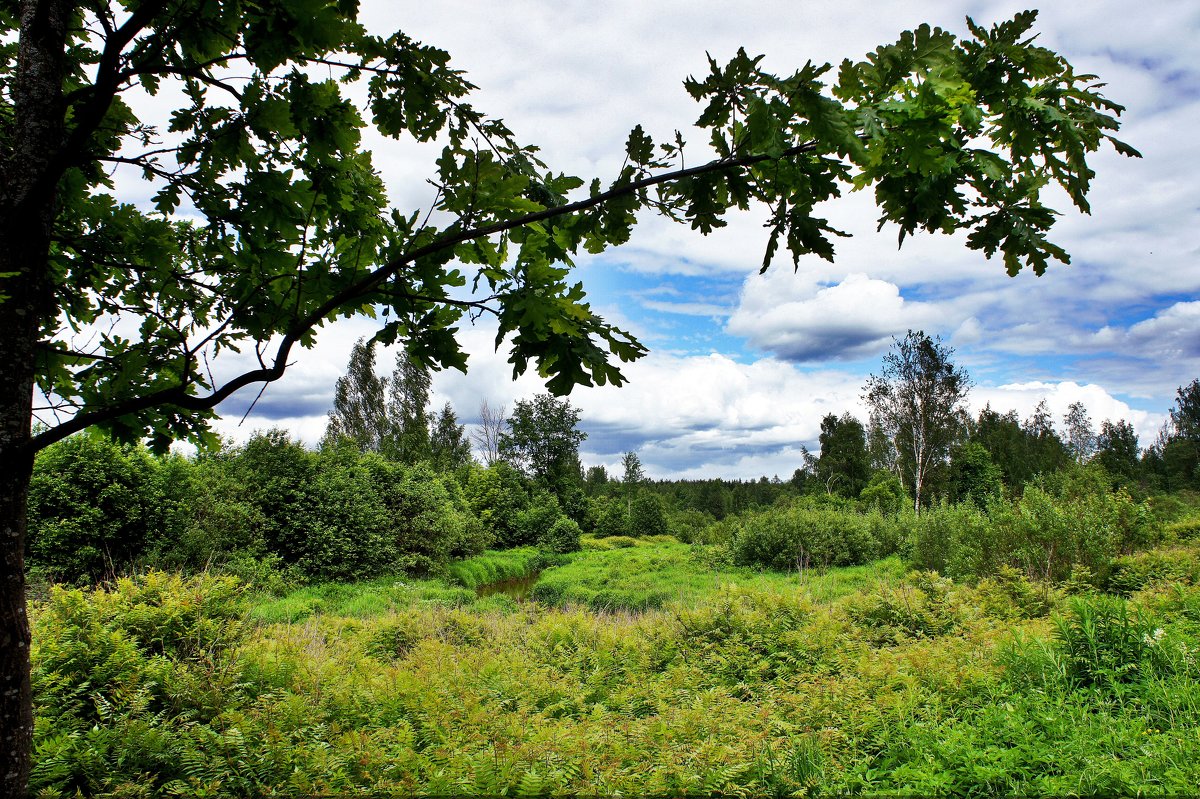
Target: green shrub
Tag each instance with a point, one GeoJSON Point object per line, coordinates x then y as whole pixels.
{"type": "Point", "coordinates": [885, 493]}
{"type": "Point", "coordinates": [892, 532]}
{"type": "Point", "coordinates": [1008, 594]}
{"type": "Point", "coordinates": [1132, 573]}
{"type": "Point", "coordinates": [536, 520]}
{"type": "Point", "coordinates": [95, 507]}
{"type": "Point", "coordinates": [222, 526]}
{"type": "Point", "coordinates": [278, 474]}
{"type": "Point", "coordinates": [1067, 526]}
{"type": "Point", "coordinates": [1183, 530]}
{"type": "Point", "coordinates": [612, 518]}
{"type": "Point", "coordinates": [797, 538]}
{"type": "Point", "coordinates": [562, 537]}
{"type": "Point", "coordinates": [497, 496]}
{"type": "Point", "coordinates": [589, 543]}
{"type": "Point", "coordinates": [1048, 535]}
{"type": "Point", "coordinates": [922, 608]}
{"type": "Point", "coordinates": [647, 516]}
{"type": "Point", "coordinates": [688, 525]}
{"type": "Point", "coordinates": [954, 540]}
{"type": "Point", "coordinates": [427, 521]}
{"type": "Point", "coordinates": [974, 476]}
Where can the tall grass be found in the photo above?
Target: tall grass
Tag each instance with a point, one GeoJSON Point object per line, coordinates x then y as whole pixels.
{"type": "Point", "coordinates": [360, 600]}
{"type": "Point", "coordinates": [494, 566]}
{"type": "Point", "coordinates": [860, 680]}
{"type": "Point", "coordinates": [667, 572]}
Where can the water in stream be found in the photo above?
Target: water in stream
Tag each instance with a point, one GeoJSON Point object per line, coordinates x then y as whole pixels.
{"type": "Point", "coordinates": [516, 587]}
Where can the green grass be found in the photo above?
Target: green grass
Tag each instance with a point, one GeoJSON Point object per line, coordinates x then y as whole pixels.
{"type": "Point", "coordinates": [494, 566]}
{"type": "Point", "coordinates": [360, 600]}
{"type": "Point", "coordinates": [632, 577]}
{"type": "Point", "coordinates": [743, 683]}
{"type": "Point", "coordinates": [653, 574]}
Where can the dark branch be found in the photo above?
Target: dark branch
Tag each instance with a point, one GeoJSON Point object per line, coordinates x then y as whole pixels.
{"type": "Point", "coordinates": [178, 396]}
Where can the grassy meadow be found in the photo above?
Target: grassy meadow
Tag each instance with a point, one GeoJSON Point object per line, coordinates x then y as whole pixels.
{"type": "Point", "coordinates": [636, 667]}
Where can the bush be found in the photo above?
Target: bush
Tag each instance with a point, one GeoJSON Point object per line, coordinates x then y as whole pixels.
{"type": "Point", "coordinates": [278, 474]}
{"type": "Point", "coordinates": [798, 537]}
{"type": "Point", "coordinates": [921, 609]}
{"type": "Point", "coordinates": [647, 516]}
{"type": "Point", "coordinates": [535, 521]}
{"type": "Point", "coordinates": [1010, 595]}
{"type": "Point", "coordinates": [1049, 535]}
{"type": "Point", "coordinates": [94, 508]}
{"type": "Point", "coordinates": [616, 542]}
{"type": "Point", "coordinates": [892, 532]}
{"type": "Point", "coordinates": [954, 540]}
{"type": "Point", "coordinates": [495, 566]}
{"type": "Point", "coordinates": [1068, 526]}
{"type": "Point", "coordinates": [688, 525]}
{"type": "Point", "coordinates": [340, 514]}
{"type": "Point", "coordinates": [611, 518]}
{"type": "Point", "coordinates": [562, 537]}
{"type": "Point", "coordinates": [1183, 530]}
{"type": "Point", "coordinates": [222, 522]}
{"type": "Point", "coordinates": [428, 519]}
{"type": "Point", "coordinates": [497, 496]}
{"type": "Point", "coordinates": [885, 493]}
{"type": "Point", "coordinates": [1132, 573]}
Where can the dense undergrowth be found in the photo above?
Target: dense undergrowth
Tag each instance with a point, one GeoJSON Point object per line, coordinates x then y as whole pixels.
{"type": "Point", "coordinates": [866, 679]}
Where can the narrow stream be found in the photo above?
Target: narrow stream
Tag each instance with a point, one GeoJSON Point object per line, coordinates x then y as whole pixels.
{"type": "Point", "coordinates": [516, 587]}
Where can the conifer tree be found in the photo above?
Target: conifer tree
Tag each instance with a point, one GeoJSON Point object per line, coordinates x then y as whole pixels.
{"type": "Point", "coordinates": [359, 413]}
{"type": "Point", "coordinates": [408, 417]}
{"type": "Point", "coordinates": [448, 444]}
{"type": "Point", "coordinates": [633, 477]}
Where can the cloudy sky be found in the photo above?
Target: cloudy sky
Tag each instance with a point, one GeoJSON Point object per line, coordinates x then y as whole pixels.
{"type": "Point", "coordinates": [742, 366]}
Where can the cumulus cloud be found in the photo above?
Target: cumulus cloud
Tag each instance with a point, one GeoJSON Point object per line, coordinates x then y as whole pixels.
{"type": "Point", "coordinates": [1099, 401]}
{"type": "Point", "coordinates": [1173, 333]}
{"type": "Point", "coordinates": [1119, 323]}
{"type": "Point", "coordinates": [800, 321]}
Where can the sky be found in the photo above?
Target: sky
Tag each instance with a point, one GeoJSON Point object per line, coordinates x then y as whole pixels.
{"type": "Point", "coordinates": [743, 367]}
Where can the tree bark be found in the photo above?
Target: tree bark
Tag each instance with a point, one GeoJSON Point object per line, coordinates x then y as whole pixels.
{"type": "Point", "coordinates": [16, 698]}
{"type": "Point", "coordinates": [27, 205]}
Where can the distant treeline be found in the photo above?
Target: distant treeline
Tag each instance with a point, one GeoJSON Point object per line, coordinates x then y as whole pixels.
{"type": "Point", "coordinates": [392, 489]}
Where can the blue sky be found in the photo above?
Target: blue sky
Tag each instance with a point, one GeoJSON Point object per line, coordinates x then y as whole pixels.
{"type": "Point", "coordinates": [743, 366]}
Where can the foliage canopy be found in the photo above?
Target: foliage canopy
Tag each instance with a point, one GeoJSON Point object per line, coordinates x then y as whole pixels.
{"type": "Point", "coordinates": [268, 218]}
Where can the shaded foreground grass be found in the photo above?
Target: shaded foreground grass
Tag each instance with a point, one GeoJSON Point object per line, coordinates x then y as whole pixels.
{"type": "Point", "coordinates": [860, 680]}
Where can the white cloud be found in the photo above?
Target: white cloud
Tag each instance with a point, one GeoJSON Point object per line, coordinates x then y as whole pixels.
{"type": "Point", "coordinates": [1100, 403]}
{"type": "Point", "coordinates": [574, 78]}
{"type": "Point", "coordinates": [801, 321]}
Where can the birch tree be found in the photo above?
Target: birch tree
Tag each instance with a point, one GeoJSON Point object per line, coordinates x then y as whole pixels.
{"type": "Point", "coordinates": [917, 401]}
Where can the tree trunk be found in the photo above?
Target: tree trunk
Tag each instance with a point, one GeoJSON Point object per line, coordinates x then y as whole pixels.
{"type": "Point", "coordinates": [19, 321]}
{"type": "Point", "coordinates": [29, 171]}
{"type": "Point", "coordinates": [19, 253]}
{"type": "Point", "coordinates": [16, 698]}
